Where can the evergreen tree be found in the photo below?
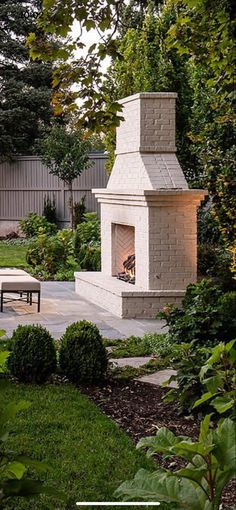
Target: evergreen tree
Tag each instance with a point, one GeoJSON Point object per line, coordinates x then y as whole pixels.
{"type": "Point", "coordinates": [25, 86]}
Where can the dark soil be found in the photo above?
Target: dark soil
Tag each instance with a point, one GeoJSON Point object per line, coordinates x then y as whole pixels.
{"type": "Point", "coordinates": [138, 408]}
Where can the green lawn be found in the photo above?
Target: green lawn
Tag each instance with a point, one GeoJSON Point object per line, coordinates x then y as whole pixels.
{"type": "Point", "coordinates": [12, 255]}
{"type": "Point", "coordinates": [89, 455]}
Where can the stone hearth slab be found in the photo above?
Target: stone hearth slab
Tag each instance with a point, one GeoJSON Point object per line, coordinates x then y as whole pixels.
{"type": "Point", "coordinates": [123, 299]}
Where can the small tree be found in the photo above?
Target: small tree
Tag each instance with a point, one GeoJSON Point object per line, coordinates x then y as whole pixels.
{"type": "Point", "coordinates": [66, 155]}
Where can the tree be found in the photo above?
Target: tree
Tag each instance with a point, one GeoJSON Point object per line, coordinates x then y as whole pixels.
{"type": "Point", "coordinates": [201, 34]}
{"type": "Point", "coordinates": [66, 155]}
{"type": "Point", "coordinates": [148, 65]}
{"type": "Point", "coordinates": [25, 86]}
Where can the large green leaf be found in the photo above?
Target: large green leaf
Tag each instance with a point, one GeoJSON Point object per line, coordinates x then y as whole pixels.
{"type": "Point", "coordinates": [161, 486]}
{"type": "Point", "coordinates": [14, 470]}
{"type": "Point", "coordinates": [35, 464]}
{"type": "Point", "coordinates": [162, 442]}
{"type": "Point", "coordinates": [12, 409]}
{"type": "Point", "coordinates": [222, 479]}
{"type": "Point", "coordinates": [223, 404]}
{"type": "Point", "coordinates": [224, 440]}
{"type": "Point", "coordinates": [3, 358]}
{"type": "Point", "coordinates": [194, 474]}
{"type": "Point", "coordinates": [204, 429]}
{"type": "Point", "coordinates": [215, 382]}
{"type": "Point", "coordinates": [187, 449]}
{"type": "Point", "coordinates": [204, 398]}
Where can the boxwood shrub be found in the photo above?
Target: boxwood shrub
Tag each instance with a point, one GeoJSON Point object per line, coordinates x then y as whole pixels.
{"type": "Point", "coordinates": [82, 354]}
{"type": "Point", "coordinates": [33, 354]}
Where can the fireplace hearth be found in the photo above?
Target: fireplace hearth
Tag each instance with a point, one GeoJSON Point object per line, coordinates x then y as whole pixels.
{"type": "Point", "coordinates": [148, 216]}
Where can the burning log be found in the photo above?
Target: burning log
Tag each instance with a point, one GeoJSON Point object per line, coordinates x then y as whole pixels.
{"type": "Point", "coordinates": [128, 275]}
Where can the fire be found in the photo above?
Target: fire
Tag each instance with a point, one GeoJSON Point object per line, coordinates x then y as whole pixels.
{"type": "Point", "coordinates": [128, 275]}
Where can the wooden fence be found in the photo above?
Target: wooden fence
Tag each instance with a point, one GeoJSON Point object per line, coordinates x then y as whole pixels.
{"type": "Point", "coordinates": [25, 182]}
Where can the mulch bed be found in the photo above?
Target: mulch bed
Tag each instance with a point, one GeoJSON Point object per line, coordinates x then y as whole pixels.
{"type": "Point", "coordinates": [138, 408]}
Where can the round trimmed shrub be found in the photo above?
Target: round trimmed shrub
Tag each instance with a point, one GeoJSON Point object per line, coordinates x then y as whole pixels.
{"type": "Point", "coordinates": [82, 354]}
{"type": "Point", "coordinates": [33, 356]}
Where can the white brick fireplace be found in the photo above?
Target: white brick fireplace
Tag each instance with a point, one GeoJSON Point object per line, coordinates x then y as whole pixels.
{"type": "Point", "coordinates": [147, 210]}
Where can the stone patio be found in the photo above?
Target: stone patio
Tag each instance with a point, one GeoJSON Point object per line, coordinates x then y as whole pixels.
{"type": "Point", "coordinates": [60, 306]}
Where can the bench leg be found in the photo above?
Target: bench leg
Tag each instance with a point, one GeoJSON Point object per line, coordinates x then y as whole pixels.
{"type": "Point", "coordinates": [38, 301]}
{"type": "Point", "coordinates": [1, 301]}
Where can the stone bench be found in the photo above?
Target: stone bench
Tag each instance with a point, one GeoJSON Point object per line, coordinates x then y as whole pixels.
{"type": "Point", "coordinates": [17, 281]}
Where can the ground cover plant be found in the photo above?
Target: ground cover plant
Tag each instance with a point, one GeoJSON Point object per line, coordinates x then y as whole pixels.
{"type": "Point", "coordinates": [159, 345]}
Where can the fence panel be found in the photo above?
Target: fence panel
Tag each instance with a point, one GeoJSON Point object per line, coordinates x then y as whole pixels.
{"type": "Point", "coordinates": [25, 182]}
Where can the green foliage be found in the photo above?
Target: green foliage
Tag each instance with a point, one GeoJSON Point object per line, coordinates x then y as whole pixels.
{"type": "Point", "coordinates": [218, 377]}
{"type": "Point", "coordinates": [215, 261]}
{"type": "Point", "coordinates": [199, 485]}
{"type": "Point", "coordinates": [33, 355]}
{"type": "Point", "coordinates": [161, 345]}
{"type": "Point", "coordinates": [204, 35]}
{"type": "Point", "coordinates": [82, 355]}
{"type": "Point", "coordinates": [80, 209]}
{"type": "Point", "coordinates": [34, 224]}
{"type": "Point", "coordinates": [25, 101]}
{"type": "Point", "coordinates": [49, 209]}
{"type": "Point", "coordinates": [207, 316]}
{"type": "Point", "coordinates": [188, 363]}
{"type": "Point", "coordinates": [89, 230]}
{"type": "Point", "coordinates": [90, 258]}
{"type": "Point", "coordinates": [52, 255]}
{"type": "Point", "coordinates": [219, 166]}
{"type": "Point", "coordinates": [208, 227]}
{"type": "Point", "coordinates": [151, 343]}
{"type": "Point", "coordinates": [87, 243]}
{"type": "Point", "coordinates": [147, 65]}
{"type": "Point", "coordinates": [66, 155]}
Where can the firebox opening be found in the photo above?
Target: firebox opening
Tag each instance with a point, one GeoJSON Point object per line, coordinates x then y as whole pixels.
{"type": "Point", "coordinates": [123, 252]}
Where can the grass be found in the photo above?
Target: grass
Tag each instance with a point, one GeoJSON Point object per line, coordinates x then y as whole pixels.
{"type": "Point", "coordinates": [12, 255]}
{"type": "Point", "coordinates": [89, 455]}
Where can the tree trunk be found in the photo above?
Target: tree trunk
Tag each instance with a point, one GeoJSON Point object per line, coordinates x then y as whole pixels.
{"type": "Point", "coordinates": [71, 206]}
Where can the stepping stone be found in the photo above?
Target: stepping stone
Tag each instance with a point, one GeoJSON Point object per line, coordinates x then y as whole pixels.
{"type": "Point", "coordinates": [159, 377]}
{"type": "Point", "coordinates": [131, 362]}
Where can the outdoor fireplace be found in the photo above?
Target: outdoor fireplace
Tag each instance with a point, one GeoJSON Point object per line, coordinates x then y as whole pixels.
{"type": "Point", "coordinates": [148, 216]}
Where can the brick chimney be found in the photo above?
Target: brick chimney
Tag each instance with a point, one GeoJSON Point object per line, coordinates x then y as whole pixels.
{"type": "Point", "coordinates": [145, 144]}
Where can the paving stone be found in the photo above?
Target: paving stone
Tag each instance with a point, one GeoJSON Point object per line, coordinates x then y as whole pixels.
{"type": "Point", "coordinates": [160, 377]}
{"type": "Point", "coordinates": [132, 362]}
{"type": "Point", "coordinates": [60, 306]}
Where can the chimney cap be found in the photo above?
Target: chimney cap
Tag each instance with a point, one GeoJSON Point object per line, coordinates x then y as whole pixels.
{"type": "Point", "coordinates": [149, 95]}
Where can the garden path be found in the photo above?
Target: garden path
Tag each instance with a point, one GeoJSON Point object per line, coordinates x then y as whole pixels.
{"type": "Point", "coordinates": [60, 306]}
